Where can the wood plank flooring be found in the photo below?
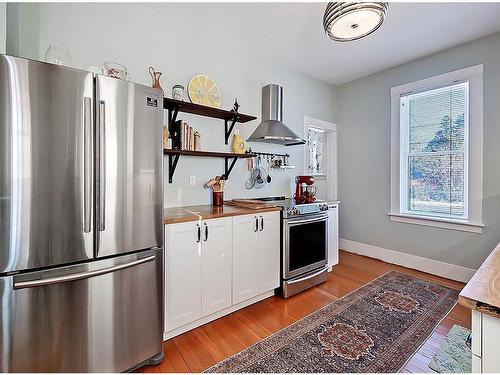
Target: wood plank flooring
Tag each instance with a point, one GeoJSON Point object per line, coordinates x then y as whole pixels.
{"type": "Point", "coordinates": [196, 350]}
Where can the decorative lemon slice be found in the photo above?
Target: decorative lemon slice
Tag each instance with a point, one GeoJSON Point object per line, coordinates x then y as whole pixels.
{"type": "Point", "coordinates": [203, 90]}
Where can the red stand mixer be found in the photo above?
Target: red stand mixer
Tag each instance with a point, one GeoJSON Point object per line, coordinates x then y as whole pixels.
{"type": "Point", "coordinates": [305, 191]}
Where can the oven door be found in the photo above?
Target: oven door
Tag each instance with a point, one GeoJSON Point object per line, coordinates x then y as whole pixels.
{"type": "Point", "coordinates": [305, 244]}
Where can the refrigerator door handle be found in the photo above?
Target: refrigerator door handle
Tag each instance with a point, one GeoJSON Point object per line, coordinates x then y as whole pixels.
{"type": "Point", "coordinates": [79, 275]}
{"type": "Point", "coordinates": [87, 167]}
{"type": "Point", "coordinates": [102, 166]}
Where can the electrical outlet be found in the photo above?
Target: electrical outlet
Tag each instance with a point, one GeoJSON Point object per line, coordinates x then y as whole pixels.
{"type": "Point", "coordinates": [192, 180]}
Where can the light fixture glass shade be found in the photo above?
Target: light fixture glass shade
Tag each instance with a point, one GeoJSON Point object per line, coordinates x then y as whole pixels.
{"type": "Point", "coordinates": [344, 22]}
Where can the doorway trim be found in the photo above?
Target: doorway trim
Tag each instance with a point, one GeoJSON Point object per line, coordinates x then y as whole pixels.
{"type": "Point", "coordinates": [331, 129]}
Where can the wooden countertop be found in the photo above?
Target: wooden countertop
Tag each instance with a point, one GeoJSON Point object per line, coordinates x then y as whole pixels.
{"type": "Point", "coordinates": [482, 292]}
{"type": "Point", "coordinates": [194, 213]}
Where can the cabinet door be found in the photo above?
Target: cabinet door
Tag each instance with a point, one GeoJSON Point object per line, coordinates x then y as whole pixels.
{"type": "Point", "coordinates": [182, 274]}
{"type": "Point", "coordinates": [333, 235]}
{"type": "Point", "coordinates": [269, 251]}
{"type": "Point", "coordinates": [216, 265]}
{"type": "Point", "coordinates": [245, 259]}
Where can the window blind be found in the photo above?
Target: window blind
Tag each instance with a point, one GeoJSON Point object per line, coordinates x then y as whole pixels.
{"type": "Point", "coordinates": [436, 150]}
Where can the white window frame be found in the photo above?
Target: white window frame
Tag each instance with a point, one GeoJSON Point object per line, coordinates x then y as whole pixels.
{"type": "Point", "coordinates": [472, 220]}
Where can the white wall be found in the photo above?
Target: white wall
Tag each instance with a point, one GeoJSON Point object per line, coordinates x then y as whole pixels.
{"type": "Point", "coordinates": [3, 26]}
{"type": "Point", "coordinates": [177, 40]}
{"type": "Point", "coordinates": [364, 160]}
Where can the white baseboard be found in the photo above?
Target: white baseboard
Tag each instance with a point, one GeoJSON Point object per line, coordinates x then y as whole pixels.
{"type": "Point", "coordinates": [434, 267]}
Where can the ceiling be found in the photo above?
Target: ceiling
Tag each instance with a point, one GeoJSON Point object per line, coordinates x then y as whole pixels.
{"type": "Point", "coordinates": [291, 34]}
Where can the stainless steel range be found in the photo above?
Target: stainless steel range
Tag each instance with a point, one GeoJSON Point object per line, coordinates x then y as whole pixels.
{"type": "Point", "coordinates": [304, 244]}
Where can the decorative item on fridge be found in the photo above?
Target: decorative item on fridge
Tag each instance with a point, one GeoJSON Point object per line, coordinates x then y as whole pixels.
{"type": "Point", "coordinates": [155, 76]}
{"type": "Point", "coordinates": [115, 70]}
{"type": "Point", "coordinates": [218, 183]}
{"type": "Point", "coordinates": [238, 145]}
{"type": "Point", "coordinates": [203, 90]}
{"type": "Point", "coordinates": [57, 55]}
{"type": "Point", "coordinates": [178, 92]}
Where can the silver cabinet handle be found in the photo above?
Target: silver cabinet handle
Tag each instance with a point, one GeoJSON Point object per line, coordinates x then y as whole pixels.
{"type": "Point", "coordinates": [261, 223]}
{"type": "Point", "coordinates": [102, 166]}
{"type": "Point", "coordinates": [206, 231]}
{"type": "Point", "coordinates": [79, 275]}
{"type": "Point", "coordinates": [87, 165]}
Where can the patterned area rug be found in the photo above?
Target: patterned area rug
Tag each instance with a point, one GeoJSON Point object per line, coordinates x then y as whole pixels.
{"type": "Point", "coordinates": [375, 328]}
{"type": "Point", "coordinates": [454, 356]}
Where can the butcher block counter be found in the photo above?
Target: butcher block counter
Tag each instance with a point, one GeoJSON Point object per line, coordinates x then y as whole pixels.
{"type": "Point", "coordinates": [482, 295]}
{"type": "Point", "coordinates": [194, 213]}
{"type": "Point", "coordinates": [482, 292]}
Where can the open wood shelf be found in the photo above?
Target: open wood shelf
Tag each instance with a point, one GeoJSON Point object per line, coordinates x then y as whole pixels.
{"type": "Point", "coordinates": [174, 155]}
{"type": "Point", "coordinates": [230, 118]}
{"type": "Point", "coordinates": [203, 110]}
{"type": "Point", "coordinates": [210, 154]}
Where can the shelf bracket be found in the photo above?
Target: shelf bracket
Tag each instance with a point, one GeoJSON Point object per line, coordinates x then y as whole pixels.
{"type": "Point", "coordinates": [230, 129]}
{"type": "Point", "coordinates": [228, 168]}
{"type": "Point", "coordinates": [172, 117]}
{"type": "Point", "coordinates": [172, 164]}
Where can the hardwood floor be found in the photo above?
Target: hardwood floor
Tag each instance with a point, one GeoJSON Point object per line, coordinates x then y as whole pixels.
{"type": "Point", "coordinates": [196, 350]}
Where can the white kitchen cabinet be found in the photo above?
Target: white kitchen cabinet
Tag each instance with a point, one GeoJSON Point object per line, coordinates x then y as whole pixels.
{"type": "Point", "coordinates": [256, 254]}
{"type": "Point", "coordinates": [490, 357]}
{"type": "Point", "coordinates": [485, 333]}
{"type": "Point", "coordinates": [198, 270]}
{"type": "Point", "coordinates": [182, 274]}
{"type": "Point", "coordinates": [216, 265]}
{"type": "Point", "coordinates": [333, 235]}
{"type": "Point", "coordinates": [268, 244]}
{"type": "Point", "coordinates": [245, 260]}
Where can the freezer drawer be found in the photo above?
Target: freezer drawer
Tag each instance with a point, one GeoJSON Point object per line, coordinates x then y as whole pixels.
{"type": "Point", "coordinates": [102, 316]}
{"type": "Point", "coordinates": [129, 166]}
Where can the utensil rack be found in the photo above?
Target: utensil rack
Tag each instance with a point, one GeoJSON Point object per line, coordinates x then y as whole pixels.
{"type": "Point", "coordinates": [273, 155]}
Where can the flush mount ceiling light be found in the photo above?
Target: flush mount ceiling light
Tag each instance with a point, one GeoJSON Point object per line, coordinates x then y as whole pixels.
{"type": "Point", "coordinates": [344, 22]}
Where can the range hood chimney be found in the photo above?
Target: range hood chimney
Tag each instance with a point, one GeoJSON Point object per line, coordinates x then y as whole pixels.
{"type": "Point", "coordinates": [271, 129]}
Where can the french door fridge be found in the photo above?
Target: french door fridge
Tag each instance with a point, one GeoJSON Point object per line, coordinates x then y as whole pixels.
{"type": "Point", "coordinates": [80, 220]}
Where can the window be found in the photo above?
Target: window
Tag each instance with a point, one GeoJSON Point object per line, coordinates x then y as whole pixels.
{"type": "Point", "coordinates": [438, 129]}
{"type": "Point", "coordinates": [434, 147]}
{"type": "Point", "coordinates": [316, 148]}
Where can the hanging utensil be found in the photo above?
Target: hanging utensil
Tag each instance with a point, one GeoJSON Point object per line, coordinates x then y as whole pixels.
{"type": "Point", "coordinates": [268, 170]}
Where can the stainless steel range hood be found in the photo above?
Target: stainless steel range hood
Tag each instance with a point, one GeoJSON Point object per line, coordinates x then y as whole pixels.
{"type": "Point", "coordinates": [272, 129]}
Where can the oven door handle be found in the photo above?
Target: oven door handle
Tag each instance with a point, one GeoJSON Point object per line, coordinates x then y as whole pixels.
{"type": "Point", "coordinates": [308, 221]}
{"type": "Point", "coordinates": [307, 277]}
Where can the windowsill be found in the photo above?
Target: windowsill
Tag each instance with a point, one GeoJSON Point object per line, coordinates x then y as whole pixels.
{"type": "Point", "coordinates": [452, 224]}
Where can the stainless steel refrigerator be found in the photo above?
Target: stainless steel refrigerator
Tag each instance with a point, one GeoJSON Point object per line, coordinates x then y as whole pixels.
{"type": "Point", "coordinates": [80, 220]}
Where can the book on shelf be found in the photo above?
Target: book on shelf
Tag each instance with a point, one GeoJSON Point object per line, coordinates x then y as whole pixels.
{"type": "Point", "coordinates": [184, 137]}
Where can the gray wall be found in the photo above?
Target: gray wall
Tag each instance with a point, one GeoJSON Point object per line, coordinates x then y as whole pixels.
{"type": "Point", "coordinates": [162, 36]}
{"type": "Point", "coordinates": [3, 26]}
{"type": "Point", "coordinates": [364, 160]}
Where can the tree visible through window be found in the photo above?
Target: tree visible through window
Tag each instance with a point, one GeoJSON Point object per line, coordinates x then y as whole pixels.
{"type": "Point", "coordinates": [434, 151]}
{"type": "Point", "coordinates": [316, 144]}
